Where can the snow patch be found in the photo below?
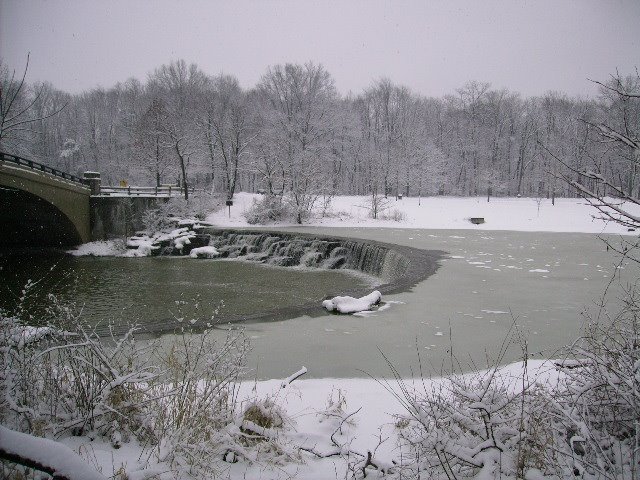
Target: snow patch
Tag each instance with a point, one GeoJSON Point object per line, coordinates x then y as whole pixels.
{"type": "Point", "coordinates": [107, 248]}
{"type": "Point", "coordinates": [507, 213]}
{"type": "Point", "coordinates": [61, 461]}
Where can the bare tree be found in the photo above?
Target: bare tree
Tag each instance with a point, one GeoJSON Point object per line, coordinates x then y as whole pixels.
{"type": "Point", "coordinates": [228, 127]}
{"type": "Point", "coordinates": [625, 139]}
{"type": "Point", "coordinates": [17, 109]}
{"type": "Point", "coordinates": [299, 102]}
{"type": "Point", "coordinates": [297, 139]}
{"type": "Point", "coordinates": [152, 142]}
{"type": "Point", "coordinates": [184, 86]}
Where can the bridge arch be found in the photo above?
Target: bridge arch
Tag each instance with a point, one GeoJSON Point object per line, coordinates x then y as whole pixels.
{"type": "Point", "coordinates": [38, 208]}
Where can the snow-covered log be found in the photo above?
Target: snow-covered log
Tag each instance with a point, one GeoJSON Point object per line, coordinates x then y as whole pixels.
{"type": "Point", "coordinates": [348, 304]}
{"type": "Point", "coordinates": [44, 455]}
{"type": "Point", "coordinates": [294, 376]}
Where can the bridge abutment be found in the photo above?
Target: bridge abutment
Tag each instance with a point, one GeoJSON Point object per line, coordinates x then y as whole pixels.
{"type": "Point", "coordinates": [94, 181]}
{"type": "Point", "coordinates": [119, 217]}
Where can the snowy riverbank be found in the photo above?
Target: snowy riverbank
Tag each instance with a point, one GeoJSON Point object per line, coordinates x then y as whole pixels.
{"type": "Point", "coordinates": [431, 213]}
{"type": "Point", "coordinates": [312, 410]}
{"type": "Point", "coordinates": [449, 213]}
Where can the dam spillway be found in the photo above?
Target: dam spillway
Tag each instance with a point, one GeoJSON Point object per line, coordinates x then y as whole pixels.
{"type": "Point", "coordinates": [398, 267]}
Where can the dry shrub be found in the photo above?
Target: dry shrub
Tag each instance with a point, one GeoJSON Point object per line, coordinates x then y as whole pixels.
{"type": "Point", "coordinates": [264, 413]}
{"type": "Point", "coordinates": [585, 425]}
{"type": "Point", "coordinates": [268, 209]}
{"type": "Point", "coordinates": [394, 215]}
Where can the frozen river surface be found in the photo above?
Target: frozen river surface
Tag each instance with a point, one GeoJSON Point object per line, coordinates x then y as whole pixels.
{"type": "Point", "coordinates": [542, 280]}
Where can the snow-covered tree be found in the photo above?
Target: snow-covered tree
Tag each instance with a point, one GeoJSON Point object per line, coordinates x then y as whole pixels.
{"type": "Point", "coordinates": [152, 141]}
{"type": "Point", "coordinates": [183, 86]}
{"type": "Point", "coordinates": [228, 128]}
{"type": "Point", "coordinates": [621, 133]}
{"type": "Point", "coordinates": [298, 107]}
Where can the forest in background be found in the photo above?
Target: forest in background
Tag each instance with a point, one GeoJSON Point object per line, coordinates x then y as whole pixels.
{"type": "Point", "coordinates": [295, 134]}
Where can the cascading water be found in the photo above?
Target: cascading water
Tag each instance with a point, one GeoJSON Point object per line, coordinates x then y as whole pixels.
{"type": "Point", "coordinates": [294, 250]}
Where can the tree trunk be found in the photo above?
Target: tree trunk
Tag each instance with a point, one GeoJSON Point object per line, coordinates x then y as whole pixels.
{"type": "Point", "coordinates": [185, 184]}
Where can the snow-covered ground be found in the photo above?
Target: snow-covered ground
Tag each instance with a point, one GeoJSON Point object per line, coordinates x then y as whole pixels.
{"type": "Point", "coordinates": [451, 213]}
{"type": "Point", "coordinates": [311, 408]}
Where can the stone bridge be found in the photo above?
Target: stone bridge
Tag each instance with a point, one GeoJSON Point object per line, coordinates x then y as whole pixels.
{"type": "Point", "coordinates": [42, 206]}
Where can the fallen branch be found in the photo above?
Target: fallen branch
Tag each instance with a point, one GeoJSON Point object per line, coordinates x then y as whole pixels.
{"type": "Point", "coordinates": [293, 377]}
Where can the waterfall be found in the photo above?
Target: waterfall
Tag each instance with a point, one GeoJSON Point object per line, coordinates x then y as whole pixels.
{"type": "Point", "coordinates": [284, 249]}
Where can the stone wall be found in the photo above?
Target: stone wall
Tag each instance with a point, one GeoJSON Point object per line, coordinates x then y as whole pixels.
{"type": "Point", "coordinates": [119, 217]}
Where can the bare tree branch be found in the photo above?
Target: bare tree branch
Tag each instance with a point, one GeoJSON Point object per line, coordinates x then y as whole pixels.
{"type": "Point", "coordinates": [616, 90]}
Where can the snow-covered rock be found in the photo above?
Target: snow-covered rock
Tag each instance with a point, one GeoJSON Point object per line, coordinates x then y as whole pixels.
{"type": "Point", "coordinates": [348, 304]}
{"type": "Point", "coordinates": [204, 252]}
{"type": "Point", "coordinates": [182, 240]}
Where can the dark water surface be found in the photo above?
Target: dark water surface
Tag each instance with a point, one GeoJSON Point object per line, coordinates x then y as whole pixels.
{"type": "Point", "coordinates": [162, 292]}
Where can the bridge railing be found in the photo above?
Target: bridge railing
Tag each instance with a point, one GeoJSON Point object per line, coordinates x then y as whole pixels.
{"type": "Point", "coordinates": [92, 179]}
{"type": "Point", "coordinates": [161, 191]}
{"type": "Point", "coordinates": [26, 163]}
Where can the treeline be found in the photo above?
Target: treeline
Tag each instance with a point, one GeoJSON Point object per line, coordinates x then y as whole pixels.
{"type": "Point", "coordinates": [293, 133]}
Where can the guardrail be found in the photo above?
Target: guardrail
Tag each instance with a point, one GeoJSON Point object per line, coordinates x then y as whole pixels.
{"type": "Point", "coordinates": [26, 163]}
{"type": "Point", "coordinates": [161, 191]}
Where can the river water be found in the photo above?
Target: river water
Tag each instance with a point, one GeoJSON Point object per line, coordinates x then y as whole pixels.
{"type": "Point", "coordinates": [491, 280]}
{"type": "Point", "coordinates": [162, 293]}
{"type": "Point", "coordinates": [488, 284]}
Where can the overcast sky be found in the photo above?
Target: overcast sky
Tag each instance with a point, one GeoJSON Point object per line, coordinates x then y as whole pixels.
{"type": "Point", "coordinates": [432, 47]}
